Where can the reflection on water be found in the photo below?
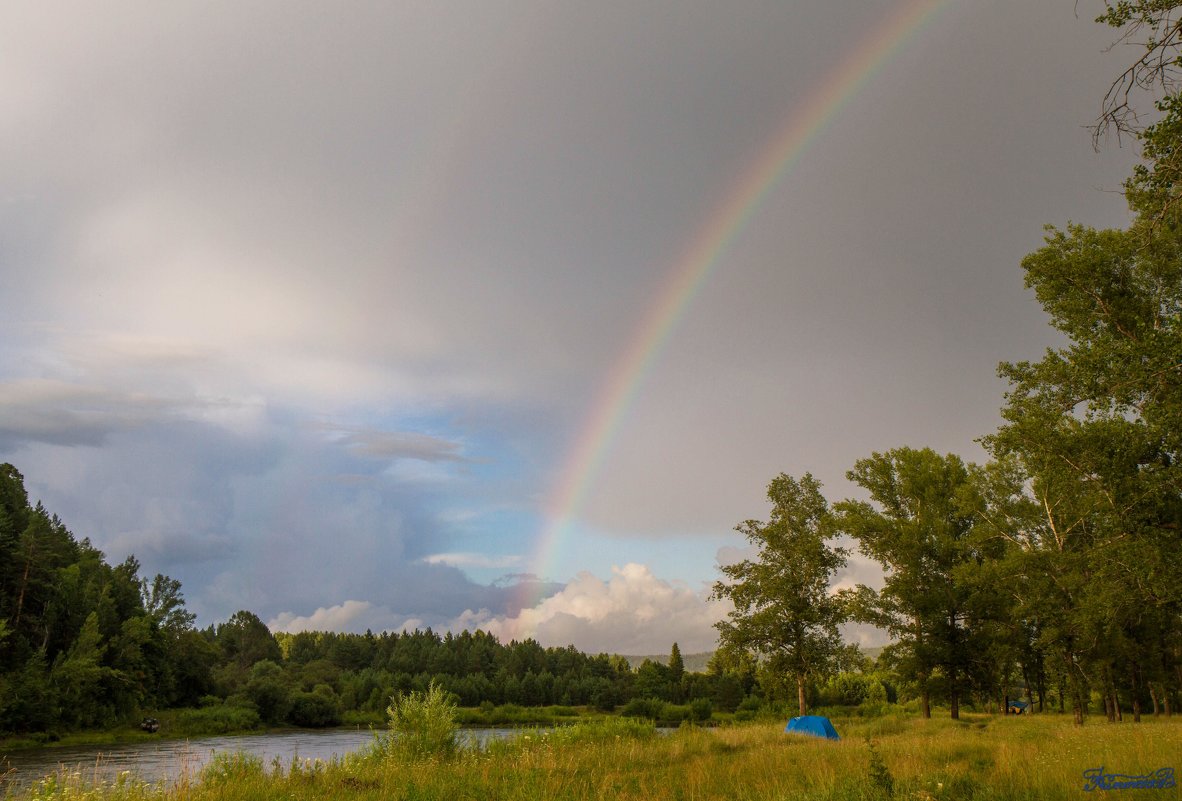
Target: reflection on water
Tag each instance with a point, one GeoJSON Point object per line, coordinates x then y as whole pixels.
{"type": "Point", "coordinates": [168, 760]}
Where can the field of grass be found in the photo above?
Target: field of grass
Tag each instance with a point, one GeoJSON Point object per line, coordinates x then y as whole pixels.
{"type": "Point", "coordinates": [987, 758]}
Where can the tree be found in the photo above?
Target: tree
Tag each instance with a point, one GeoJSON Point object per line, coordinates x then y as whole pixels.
{"type": "Point", "coordinates": [676, 673]}
{"type": "Point", "coordinates": [1096, 429]}
{"type": "Point", "coordinates": [1154, 29]}
{"type": "Point", "coordinates": [246, 640]}
{"type": "Point", "coordinates": [653, 681]}
{"type": "Point", "coordinates": [921, 533]}
{"type": "Point", "coordinates": [165, 604]}
{"type": "Point", "coordinates": [784, 612]}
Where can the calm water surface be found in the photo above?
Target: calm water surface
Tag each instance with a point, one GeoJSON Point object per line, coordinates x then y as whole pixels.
{"type": "Point", "coordinates": [168, 760]}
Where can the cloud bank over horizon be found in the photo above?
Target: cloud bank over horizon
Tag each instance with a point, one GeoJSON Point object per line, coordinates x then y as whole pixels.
{"type": "Point", "coordinates": [633, 612]}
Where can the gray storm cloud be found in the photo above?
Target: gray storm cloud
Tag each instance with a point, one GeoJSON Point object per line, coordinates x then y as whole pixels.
{"type": "Point", "coordinates": [294, 297]}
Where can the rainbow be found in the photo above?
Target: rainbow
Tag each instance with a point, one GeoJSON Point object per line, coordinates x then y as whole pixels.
{"type": "Point", "coordinates": [690, 273]}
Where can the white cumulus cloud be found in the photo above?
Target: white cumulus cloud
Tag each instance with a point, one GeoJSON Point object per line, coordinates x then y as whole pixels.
{"type": "Point", "coordinates": [332, 618]}
{"type": "Point", "coordinates": [633, 612]}
{"type": "Point", "coordinates": [469, 559]}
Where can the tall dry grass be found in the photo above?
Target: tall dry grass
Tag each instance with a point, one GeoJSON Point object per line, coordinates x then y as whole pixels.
{"type": "Point", "coordinates": [878, 759]}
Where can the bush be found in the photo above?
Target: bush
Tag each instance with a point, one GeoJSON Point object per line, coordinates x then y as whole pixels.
{"type": "Point", "coordinates": [216, 720]}
{"type": "Point", "coordinates": [672, 713]}
{"type": "Point", "coordinates": [650, 708]}
{"type": "Point", "coordinates": [313, 710]}
{"type": "Point", "coordinates": [423, 724]}
{"type": "Point", "coordinates": [845, 689]}
{"type": "Point", "coordinates": [751, 704]}
{"type": "Point", "coordinates": [701, 709]}
{"type": "Point", "coordinates": [604, 698]}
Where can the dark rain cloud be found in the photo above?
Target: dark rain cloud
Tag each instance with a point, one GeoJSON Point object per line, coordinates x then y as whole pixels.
{"type": "Point", "coordinates": [294, 297]}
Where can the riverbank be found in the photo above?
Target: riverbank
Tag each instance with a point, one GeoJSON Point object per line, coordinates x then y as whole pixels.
{"type": "Point", "coordinates": [222, 720]}
{"type": "Point", "coordinates": [981, 758]}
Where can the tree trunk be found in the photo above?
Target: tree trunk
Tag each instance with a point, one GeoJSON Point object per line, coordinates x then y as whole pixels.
{"type": "Point", "coordinates": [925, 704]}
{"type": "Point", "coordinates": [1109, 696]}
{"type": "Point", "coordinates": [954, 701]}
{"type": "Point", "coordinates": [800, 695]}
{"type": "Point", "coordinates": [20, 601]}
{"type": "Point", "coordinates": [1076, 682]}
{"type": "Point", "coordinates": [1153, 698]}
{"type": "Point", "coordinates": [1135, 691]}
{"type": "Point", "coordinates": [1026, 681]}
{"type": "Point", "coordinates": [1040, 675]}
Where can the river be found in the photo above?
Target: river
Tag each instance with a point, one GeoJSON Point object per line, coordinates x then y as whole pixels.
{"type": "Point", "coordinates": [168, 760]}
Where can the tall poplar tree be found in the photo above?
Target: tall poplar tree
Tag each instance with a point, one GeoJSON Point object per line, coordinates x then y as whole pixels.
{"type": "Point", "coordinates": [784, 611]}
{"type": "Point", "coordinates": [920, 529]}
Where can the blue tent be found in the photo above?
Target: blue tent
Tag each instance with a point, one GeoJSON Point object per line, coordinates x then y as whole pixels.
{"type": "Point", "coordinates": [814, 726]}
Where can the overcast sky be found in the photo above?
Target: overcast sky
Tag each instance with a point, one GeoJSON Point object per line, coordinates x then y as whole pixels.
{"type": "Point", "coordinates": [308, 305]}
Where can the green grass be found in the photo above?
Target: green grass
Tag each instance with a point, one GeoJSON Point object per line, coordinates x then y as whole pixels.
{"type": "Point", "coordinates": [174, 724]}
{"type": "Point", "coordinates": [514, 715]}
{"type": "Point", "coordinates": [980, 758]}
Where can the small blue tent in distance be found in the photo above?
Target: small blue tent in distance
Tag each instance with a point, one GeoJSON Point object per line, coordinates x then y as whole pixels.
{"type": "Point", "coordinates": [813, 726]}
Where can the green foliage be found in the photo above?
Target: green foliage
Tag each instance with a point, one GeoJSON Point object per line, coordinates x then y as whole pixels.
{"type": "Point", "coordinates": [783, 611]}
{"type": "Point", "coordinates": [647, 708]}
{"type": "Point", "coordinates": [219, 719]}
{"type": "Point", "coordinates": [848, 689]}
{"type": "Point", "coordinates": [1152, 27]}
{"type": "Point", "coordinates": [676, 674]}
{"type": "Point", "coordinates": [1089, 500]}
{"type": "Point", "coordinates": [921, 526]}
{"type": "Point", "coordinates": [246, 640]}
{"type": "Point", "coordinates": [701, 709]}
{"type": "Point", "coordinates": [269, 691]}
{"type": "Point", "coordinates": [315, 710]}
{"type": "Point", "coordinates": [423, 725]}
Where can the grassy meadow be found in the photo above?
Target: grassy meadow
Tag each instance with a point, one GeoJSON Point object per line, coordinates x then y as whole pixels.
{"type": "Point", "coordinates": [980, 757]}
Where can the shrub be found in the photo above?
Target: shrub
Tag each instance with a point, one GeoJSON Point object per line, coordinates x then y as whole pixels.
{"type": "Point", "coordinates": [604, 698]}
{"type": "Point", "coordinates": [216, 720]}
{"type": "Point", "coordinates": [423, 724]}
{"type": "Point", "coordinates": [650, 708]}
{"type": "Point", "coordinates": [313, 710]}
{"type": "Point", "coordinates": [672, 713]}
{"type": "Point", "coordinates": [845, 689]}
{"type": "Point", "coordinates": [750, 704]}
{"type": "Point", "coordinates": [701, 709]}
